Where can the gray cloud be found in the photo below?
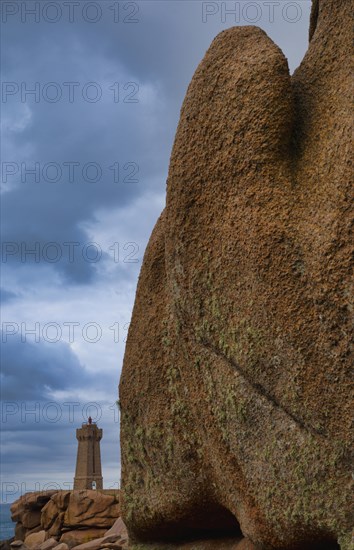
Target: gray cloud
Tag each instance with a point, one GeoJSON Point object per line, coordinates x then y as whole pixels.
{"type": "Point", "coordinates": [7, 296]}
{"type": "Point", "coordinates": [31, 371]}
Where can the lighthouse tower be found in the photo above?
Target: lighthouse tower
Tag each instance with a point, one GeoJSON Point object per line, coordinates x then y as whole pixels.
{"type": "Point", "coordinates": [88, 473]}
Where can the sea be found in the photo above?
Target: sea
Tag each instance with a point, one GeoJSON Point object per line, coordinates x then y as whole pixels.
{"type": "Point", "coordinates": [7, 527]}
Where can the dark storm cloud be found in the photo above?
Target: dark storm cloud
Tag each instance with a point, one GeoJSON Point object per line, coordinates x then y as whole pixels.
{"type": "Point", "coordinates": [30, 371]}
{"type": "Point", "coordinates": [72, 136]}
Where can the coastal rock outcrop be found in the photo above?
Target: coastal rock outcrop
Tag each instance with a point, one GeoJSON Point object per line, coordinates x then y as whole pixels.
{"type": "Point", "coordinates": [236, 392]}
{"type": "Point", "coordinates": [70, 517]}
{"type": "Point", "coordinates": [26, 512]}
{"type": "Point", "coordinates": [86, 510]}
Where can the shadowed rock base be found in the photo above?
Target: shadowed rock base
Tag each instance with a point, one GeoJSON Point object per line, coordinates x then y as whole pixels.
{"type": "Point", "coordinates": [211, 544]}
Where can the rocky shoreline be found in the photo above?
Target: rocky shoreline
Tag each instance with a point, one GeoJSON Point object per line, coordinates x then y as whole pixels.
{"type": "Point", "coordinates": [85, 520]}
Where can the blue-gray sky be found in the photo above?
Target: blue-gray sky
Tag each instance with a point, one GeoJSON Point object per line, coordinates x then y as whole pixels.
{"type": "Point", "coordinates": [91, 93]}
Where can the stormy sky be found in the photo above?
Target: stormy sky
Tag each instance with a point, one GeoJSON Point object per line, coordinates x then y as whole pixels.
{"type": "Point", "coordinates": [91, 94]}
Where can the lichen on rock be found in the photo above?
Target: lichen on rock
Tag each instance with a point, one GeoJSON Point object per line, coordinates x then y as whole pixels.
{"type": "Point", "coordinates": [235, 393]}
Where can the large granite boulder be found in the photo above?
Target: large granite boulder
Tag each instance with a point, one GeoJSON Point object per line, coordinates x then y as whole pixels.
{"type": "Point", "coordinates": [235, 392]}
{"type": "Point", "coordinates": [75, 537]}
{"type": "Point", "coordinates": [35, 539]}
{"type": "Point", "coordinates": [53, 513]}
{"type": "Point", "coordinates": [92, 509]}
{"type": "Point", "coordinates": [118, 528]}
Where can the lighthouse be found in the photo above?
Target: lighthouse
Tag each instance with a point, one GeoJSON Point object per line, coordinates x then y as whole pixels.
{"type": "Point", "coordinates": [88, 474]}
